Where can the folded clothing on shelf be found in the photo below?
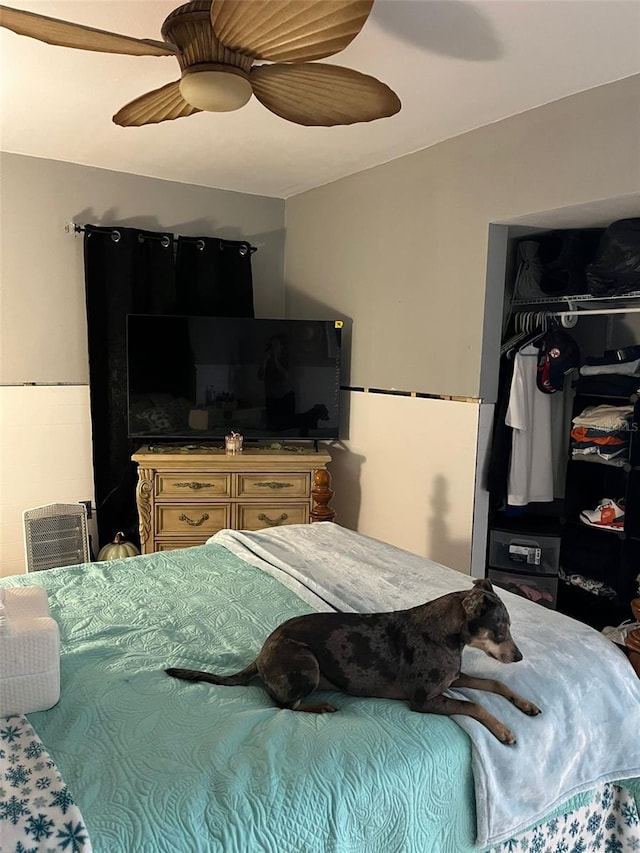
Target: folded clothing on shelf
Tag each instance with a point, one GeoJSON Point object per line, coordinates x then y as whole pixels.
{"type": "Point", "coordinates": [610, 385]}
{"type": "Point", "coordinates": [605, 417]}
{"type": "Point", "coordinates": [618, 455]}
{"type": "Point", "coordinates": [615, 356]}
{"type": "Point", "coordinates": [619, 368]}
{"type": "Point", "coordinates": [607, 445]}
{"type": "Point", "coordinates": [602, 437]}
{"type": "Point", "coordinates": [603, 430]}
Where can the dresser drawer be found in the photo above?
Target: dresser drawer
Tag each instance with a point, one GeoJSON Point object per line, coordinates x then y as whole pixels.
{"type": "Point", "coordinates": [259, 516]}
{"type": "Point", "coordinates": [281, 485]}
{"type": "Point", "coordinates": [191, 519]}
{"type": "Point", "coordinates": [192, 485]}
{"type": "Point", "coordinates": [174, 544]}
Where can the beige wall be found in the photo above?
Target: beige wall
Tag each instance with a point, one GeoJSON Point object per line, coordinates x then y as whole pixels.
{"type": "Point", "coordinates": [401, 249]}
{"type": "Point", "coordinates": [45, 457]}
{"type": "Point", "coordinates": [390, 484]}
{"type": "Point", "coordinates": [41, 267]}
{"type": "Point", "coordinates": [45, 433]}
{"type": "Point", "coordinates": [401, 252]}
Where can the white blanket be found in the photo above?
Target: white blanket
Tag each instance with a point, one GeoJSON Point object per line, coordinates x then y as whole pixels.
{"type": "Point", "coordinates": [588, 732]}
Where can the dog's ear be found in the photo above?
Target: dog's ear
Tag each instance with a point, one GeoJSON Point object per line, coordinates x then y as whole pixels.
{"type": "Point", "coordinates": [483, 583]}
{"type": "Point", "coordinates": [474, 601]}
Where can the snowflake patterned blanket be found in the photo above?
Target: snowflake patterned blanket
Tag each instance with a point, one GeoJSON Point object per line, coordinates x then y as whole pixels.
{"type": "Point", "coordinates": [37, 812]}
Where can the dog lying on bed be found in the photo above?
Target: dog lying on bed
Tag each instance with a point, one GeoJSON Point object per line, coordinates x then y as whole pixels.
{"type": "Point", "coordinates": [412, 654]}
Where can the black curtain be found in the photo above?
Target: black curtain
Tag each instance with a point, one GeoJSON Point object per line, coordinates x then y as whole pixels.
{"type": "Point", "coordinates": [214, 277]}
{"type": "Point", "coordinates": [130, 271]}
{"type": "Point", "coordinates": [126, 271]}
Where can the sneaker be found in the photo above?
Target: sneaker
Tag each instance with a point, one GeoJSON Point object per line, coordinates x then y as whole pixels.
{"type": "Point", "coordinates": [609, 515]}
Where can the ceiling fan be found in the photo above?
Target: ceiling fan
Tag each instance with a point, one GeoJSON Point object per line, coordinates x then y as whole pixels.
{"type": "Point", "coordinates": [216, 45]}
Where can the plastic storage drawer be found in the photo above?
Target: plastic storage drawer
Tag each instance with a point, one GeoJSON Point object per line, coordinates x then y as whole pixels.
{"type": "Point", "coordinates": [524, 552]}
{"type": "Point", "coordinates": [543, 589]}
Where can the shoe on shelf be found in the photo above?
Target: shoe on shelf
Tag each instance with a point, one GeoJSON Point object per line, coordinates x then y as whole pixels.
{"type": "Point", "coordinates": [608, 515]}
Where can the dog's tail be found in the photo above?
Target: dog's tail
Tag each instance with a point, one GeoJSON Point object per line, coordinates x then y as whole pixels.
{"type": "Point", "coordinates": [238, 678]}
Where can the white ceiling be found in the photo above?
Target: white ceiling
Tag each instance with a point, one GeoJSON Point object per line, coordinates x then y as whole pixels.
{"type": "Point", "coordinates": [455, 64]}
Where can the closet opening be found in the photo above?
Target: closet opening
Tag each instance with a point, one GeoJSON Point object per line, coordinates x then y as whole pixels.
{"type": "Point", "coordinates": [560, 475]}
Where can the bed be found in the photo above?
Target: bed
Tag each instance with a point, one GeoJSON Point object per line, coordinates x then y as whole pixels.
{"type": "Point", "coordinates": [143, 763]}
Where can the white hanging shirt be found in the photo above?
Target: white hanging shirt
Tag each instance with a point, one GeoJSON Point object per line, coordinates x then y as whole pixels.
{"type": "Point", "coordinates": [529, 416]}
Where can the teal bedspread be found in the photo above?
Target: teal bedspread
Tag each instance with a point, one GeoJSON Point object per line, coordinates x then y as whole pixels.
{"type": "Point", "coordinates": [162, 766]}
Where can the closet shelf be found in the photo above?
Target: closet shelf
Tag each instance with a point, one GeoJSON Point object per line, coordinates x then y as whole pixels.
{"type": "Point", "coordinates": [598, 531]}
{"type": "Point", "coordinates": [628, 398]}
{"type": "Point", "coordinates": [632, 297]}
{"type": "Point", "coordinates": [594, 459]}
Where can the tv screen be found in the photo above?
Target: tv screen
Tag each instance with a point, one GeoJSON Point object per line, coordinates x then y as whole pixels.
{"type": "Point", "coordinates": [199, 378]}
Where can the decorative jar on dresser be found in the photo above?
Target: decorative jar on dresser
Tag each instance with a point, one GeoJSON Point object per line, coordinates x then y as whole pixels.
{"type": "Point", "coordinates": [187, 493]}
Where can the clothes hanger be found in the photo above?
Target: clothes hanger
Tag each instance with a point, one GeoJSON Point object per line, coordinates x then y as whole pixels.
{"type": "Point", "coordinates": [539, 332]}
{"type": "Point", "coordinates": [529, 327]}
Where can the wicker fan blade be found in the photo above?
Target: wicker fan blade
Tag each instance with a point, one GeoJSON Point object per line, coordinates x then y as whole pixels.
{"type": "Point", "coordinates": [316, 94]}
{"type": "Point", "coordinates": [288, 30]}
{"type": "Point", "coordinates": [65, 34]}
{"type": "Point", "coordinates": [161, 104]}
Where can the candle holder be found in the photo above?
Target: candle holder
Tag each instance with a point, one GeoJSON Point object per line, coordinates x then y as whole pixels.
{"type": "Point", "coordinates": [233, 443]}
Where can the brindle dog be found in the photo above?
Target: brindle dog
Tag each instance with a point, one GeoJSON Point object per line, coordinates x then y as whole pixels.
{"type": "Point", "coordinates": [412, 654]}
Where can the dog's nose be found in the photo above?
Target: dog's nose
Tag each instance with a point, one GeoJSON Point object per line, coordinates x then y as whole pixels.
{"type": "Point", "coordinates": [517, 654]}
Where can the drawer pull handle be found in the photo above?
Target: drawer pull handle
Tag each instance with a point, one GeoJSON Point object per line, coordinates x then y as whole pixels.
{"type": "Point", "coordinates": [195, 486]}
{"type": "Point", "coordinates": [204, 517]}
{"type": "Point", "coordinates": [274, 485]}
{"type": "Point", "coordinates": [273, 522]}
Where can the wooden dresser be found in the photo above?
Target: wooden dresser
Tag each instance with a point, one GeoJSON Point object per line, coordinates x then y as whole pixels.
{"type": "Point", "coordinates": [185, 494]}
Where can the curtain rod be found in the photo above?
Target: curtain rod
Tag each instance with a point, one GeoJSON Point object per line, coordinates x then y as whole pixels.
{"type": "Point", "coordinates": [165, 240]}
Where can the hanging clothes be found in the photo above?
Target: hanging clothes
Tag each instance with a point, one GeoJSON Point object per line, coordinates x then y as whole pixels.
{"type": "Point", "coordinates": [561, 414]}
{"type": "Point", "coordinates": [529, 416]}
{"type": "Point", "coordinates": [500, 456]}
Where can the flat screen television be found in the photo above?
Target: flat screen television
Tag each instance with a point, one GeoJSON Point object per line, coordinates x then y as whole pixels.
{"type": "Point", "coordinates": [199, 378]}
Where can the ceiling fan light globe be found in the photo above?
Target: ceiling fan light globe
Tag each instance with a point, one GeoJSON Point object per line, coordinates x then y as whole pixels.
{"type": "Point", "coordinates": [215, 91]}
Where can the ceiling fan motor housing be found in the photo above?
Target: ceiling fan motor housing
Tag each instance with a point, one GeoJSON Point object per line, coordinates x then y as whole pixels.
{"type": "Point", "coordinates": [214, 78]}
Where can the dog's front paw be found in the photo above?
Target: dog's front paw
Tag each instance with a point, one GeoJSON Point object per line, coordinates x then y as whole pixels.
{"type": "Point", "coordinates": [526, 707]}
{"type": "Point", "coordinates": [504, 734]}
